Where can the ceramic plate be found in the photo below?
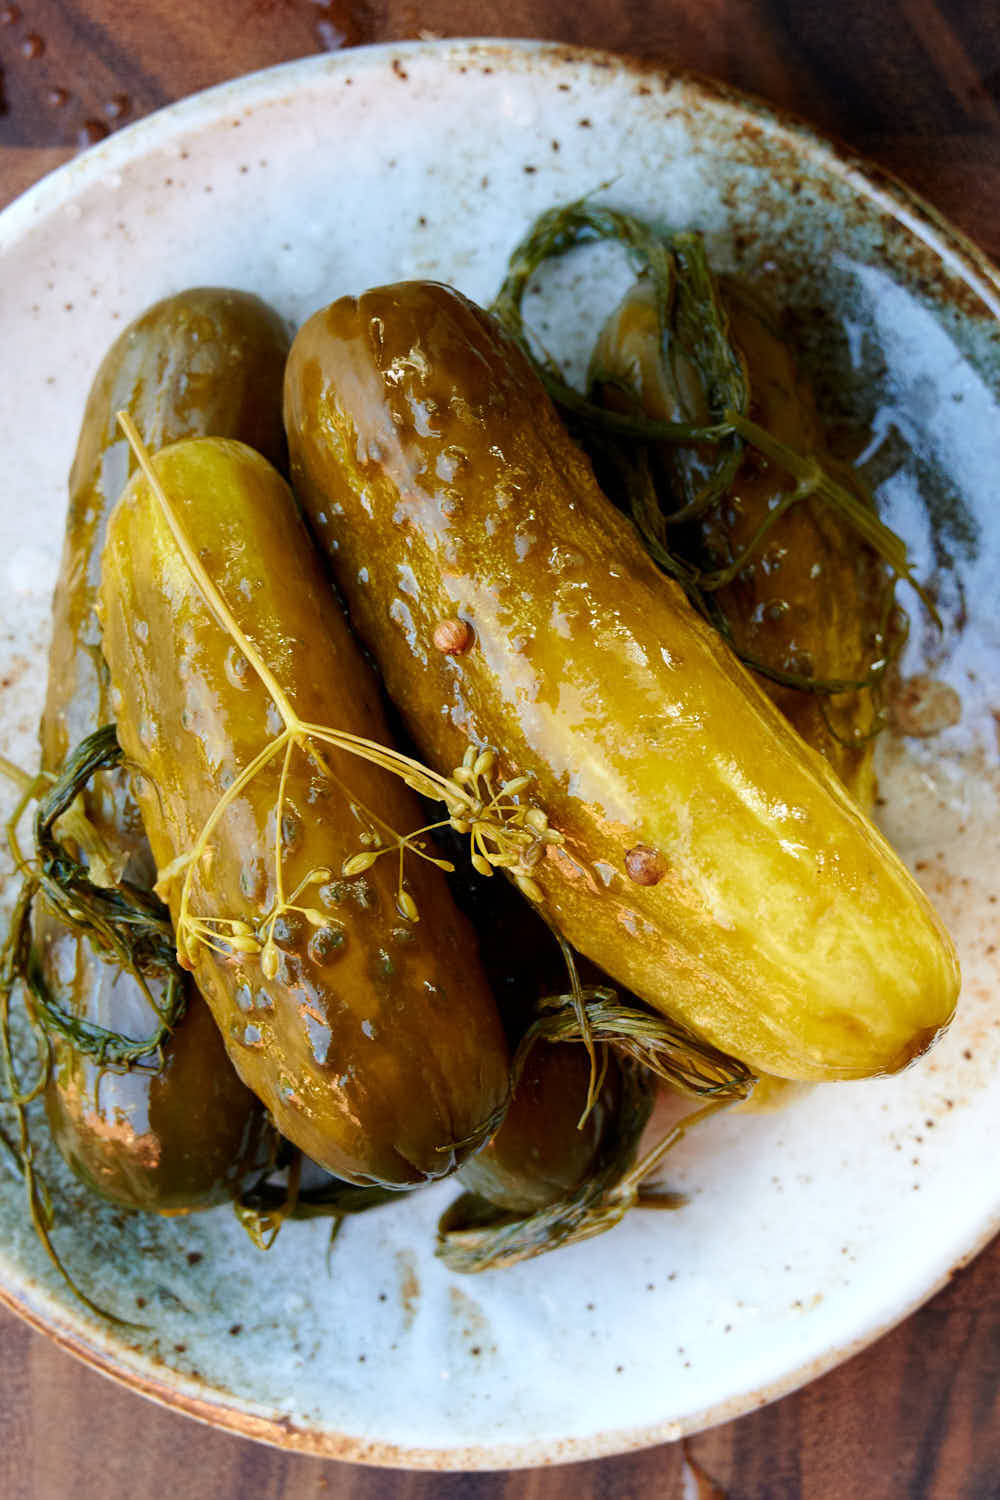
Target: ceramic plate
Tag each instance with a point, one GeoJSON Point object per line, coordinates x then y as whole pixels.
{"type": "Point", "coordinates": [809, 1230]}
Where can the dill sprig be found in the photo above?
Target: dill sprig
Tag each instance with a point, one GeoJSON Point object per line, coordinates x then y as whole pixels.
{"type": "Point", "coordinates": [14, 964]}
{"type": "Point", "coordinates": [692, 317]}
{"type": "Point", "coordinates": [663, 1046]}
{"type": "Point", "coordinates": [267, 1204]}
{"type": "Point", "coordinates": [126, 924]}
{"type": "Point", "coordinates": [476, 1235]}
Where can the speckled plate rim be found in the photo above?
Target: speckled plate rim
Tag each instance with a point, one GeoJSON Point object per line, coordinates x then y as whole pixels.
{"type": "Point", "coordinates": [344, 1448]}
{"type": "Point", "coordinates": [880, 190]}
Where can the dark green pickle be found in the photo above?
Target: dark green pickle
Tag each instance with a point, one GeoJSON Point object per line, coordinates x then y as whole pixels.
{"type": "Point", "coordinates": [541, 1153]}
{"type": "Point", "coordinates": [186, 1135]}
{"type": "Point", "coordinates": [813, 601]}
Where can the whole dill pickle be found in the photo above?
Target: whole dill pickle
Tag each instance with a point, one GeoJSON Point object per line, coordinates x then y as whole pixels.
{"type": "Point", "coordinates": [546, 1179]}
{"type": "Point", "coordinates": [712, 863]}
{"type": "Point", "coordinates": [350, 998]}
{"type": "Point", "coordinates": [541, 1152]}
{"type": "Point", "coordinates": [810, 600]}
{"type": "Point", "coordinates": [185, 1135]}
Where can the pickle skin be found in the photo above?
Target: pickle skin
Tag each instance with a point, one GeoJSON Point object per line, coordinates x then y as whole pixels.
{"type": "Point", "coordinates": [810, 599]}
{"type": "Point", "coordinates": [382, 1058]}
{"type": "Point", "coordinates": [542, 1153]}
{"type": "Point", "coordinates": [184, 1137]}
{"type": "Point", "coordinates": [438, 476]}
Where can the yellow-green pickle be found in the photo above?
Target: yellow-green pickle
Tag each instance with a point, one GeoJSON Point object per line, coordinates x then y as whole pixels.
{"type": "Point", "coordinates": [703, 855]}
{"type": "Point", "coordinates": [183, 1135]}
{"type": "Point", "coordinates": [345, 983]}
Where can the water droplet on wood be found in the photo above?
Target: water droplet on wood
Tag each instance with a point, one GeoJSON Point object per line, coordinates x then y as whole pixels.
{"type": "Point", "coordinates": [90, 132]}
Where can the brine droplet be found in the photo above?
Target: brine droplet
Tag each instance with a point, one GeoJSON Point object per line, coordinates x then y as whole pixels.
{"type": "Point", "coordinates": [57, 98]}
{"type": "Point", "coordinates": [246, 1036]}
{"type": "Point", "coordinates": [319, 1035]}
{"type": "Point", "coordinates": [10, 15]}
{"type": "Point", "coordinates": [286, 1088]}
{"type": "Point", "coordinates": [237, 668]}
{"type": "Point", "coordinates": [33, 46]}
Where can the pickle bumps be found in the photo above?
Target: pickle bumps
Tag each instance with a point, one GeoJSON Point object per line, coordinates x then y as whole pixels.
{"type": "Point", "coordinates": [712, 863]}
{"type": "Point", "coordinates": [371, 1036]}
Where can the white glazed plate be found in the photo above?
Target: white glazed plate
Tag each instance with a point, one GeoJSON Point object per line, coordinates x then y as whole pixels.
{"type": "Point", "coordinates": [809, 1230]}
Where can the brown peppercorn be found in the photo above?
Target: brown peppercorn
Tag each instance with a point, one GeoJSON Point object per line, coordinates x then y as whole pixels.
{"type": "Point", "coordinates": [645, 866]}
{"type": "Point", "coordinates": [452, 637]}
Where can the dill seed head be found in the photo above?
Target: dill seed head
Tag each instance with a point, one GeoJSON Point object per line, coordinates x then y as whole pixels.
{"type": "Point", "coordinates": [484, 763]}
{"type": "Point", "coordinates": [529, 888]}
{"type": "Point", "coordinates": [358, 864]}
{"type": "Point", "coordinates": [243, 944]}
{"type": "Point", "coordinates": [407, 907]}
{"type": "Point", "coordinates": [314, 916]}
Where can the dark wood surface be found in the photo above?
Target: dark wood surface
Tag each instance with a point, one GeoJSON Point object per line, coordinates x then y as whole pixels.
{"type": "Point", "coordinates": [915, 85]}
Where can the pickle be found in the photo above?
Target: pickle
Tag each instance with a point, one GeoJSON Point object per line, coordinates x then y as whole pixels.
{"type": "Point", "coordinates": [547, 1178]}
{"type": "Point", "coordinates": [544, 1149]}
{"type": "Point", "coordinates": [810, 603]}
{"type": "Point", "coordinates": [705, 857]}
{"type": "Point", "coordinates": [349, 996]}
{"type": "Point", "coordinates": [186, 1134]}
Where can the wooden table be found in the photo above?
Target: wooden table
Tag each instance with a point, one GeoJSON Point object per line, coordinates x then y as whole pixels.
{"type": "Point", "coordinates": [914, 84]}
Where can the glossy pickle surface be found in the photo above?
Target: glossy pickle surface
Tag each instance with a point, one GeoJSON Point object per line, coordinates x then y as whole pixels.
{"type": "Point", "coordinates": [541, 1153]}
{"type": "Point", "coordinates": [376, 1045]}
{"type": "Point", "coordinates": [811, 598]}
{"type": "Point", "coordinates": [780, 925]}
{"type": "Point", "coordinates": [208, 360]}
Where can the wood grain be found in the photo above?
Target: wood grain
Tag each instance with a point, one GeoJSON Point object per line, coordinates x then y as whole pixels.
{"type": "Point", "coordinates": [916, 86]}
